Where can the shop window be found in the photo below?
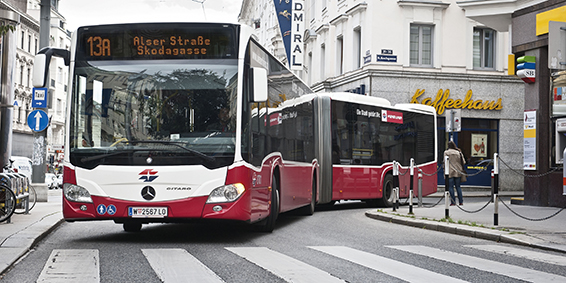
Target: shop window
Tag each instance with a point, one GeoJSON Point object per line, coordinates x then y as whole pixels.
{"type": "Point", "coordinates": [484, 48]}
{"type": "Point", "coordinates": [478, 140]}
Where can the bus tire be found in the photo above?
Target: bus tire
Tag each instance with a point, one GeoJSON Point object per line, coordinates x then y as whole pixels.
{"type": "Point", "coordinates": [387, 199]}
{"type": "Point", "coordinates": [132, 226]}
{"type": "Point", "coordinates": [309, 209]}
{"type": "Point", "coordinates": [267, 225]}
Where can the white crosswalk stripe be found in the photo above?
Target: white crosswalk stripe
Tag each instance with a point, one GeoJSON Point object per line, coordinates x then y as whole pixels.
{"type": "Point", "coordinates": [177, 265]}
{"type": "Point", "coordinates": [522, 253]}
{"type": "Point", "coordinates": [385, 265]}
{"type": "Point", "coordinates": [483, 264]}
{"type": "Point", "coordinates": [71, 266]}
{"type": "Point", "coordinates": [290, 269]}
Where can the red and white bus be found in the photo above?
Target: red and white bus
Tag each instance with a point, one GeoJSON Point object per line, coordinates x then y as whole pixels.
{"type": "Point", "coordinates": [361, 136]}
{"type": "Point", "coordinates": [169, 122]}
{"type": "Point", "coordinates": [356, 139]}
{"type": "Point", "coordinates": [160, 126]}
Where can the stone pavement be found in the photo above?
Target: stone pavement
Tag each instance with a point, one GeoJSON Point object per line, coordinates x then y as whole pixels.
{"type": "Point", "coordinates": [535, 231]}
{"type": "Point", "coordinates": [24, 231]}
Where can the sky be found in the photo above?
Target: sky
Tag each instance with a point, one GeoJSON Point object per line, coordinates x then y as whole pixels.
{"type": "Point", "coordinates": [92, 12]}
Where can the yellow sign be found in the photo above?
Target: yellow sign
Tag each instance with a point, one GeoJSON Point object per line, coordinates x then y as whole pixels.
{"type": "Point", "coordinates": [442, 101]}
{"type": "Point", "coordinates": [558, 15]}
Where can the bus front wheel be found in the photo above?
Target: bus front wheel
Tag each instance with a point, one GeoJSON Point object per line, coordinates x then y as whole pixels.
{"type": "Point", "coordinates": [267, 225]}
{"type": "Point", "coordinates": [132, 226]}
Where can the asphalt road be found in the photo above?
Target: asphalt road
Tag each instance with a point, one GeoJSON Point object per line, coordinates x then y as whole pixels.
{"type": "Point", "coordinates": [339, 244]}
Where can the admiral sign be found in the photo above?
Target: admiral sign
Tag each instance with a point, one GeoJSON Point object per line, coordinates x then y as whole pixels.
{"type": "Point", "coordinates": [290, 15]}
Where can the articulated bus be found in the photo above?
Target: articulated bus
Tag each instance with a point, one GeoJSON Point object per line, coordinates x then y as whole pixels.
{"type": "Point", "coordinates": [171, 122]}
{"type": "Point", "coordinates": [356, 138]}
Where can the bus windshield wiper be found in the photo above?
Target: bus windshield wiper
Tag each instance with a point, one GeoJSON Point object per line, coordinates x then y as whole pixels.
{"type": "Point", "coordinates": [179, 145]}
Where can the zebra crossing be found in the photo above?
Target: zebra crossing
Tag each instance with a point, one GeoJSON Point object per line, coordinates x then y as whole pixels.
{"type": "Point", "coordinates": [178, 265]}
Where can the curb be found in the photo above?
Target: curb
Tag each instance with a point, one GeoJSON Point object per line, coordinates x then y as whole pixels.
{"type": "Point", "coordinates": [464, 230]}
{"type": "Point", "coordinates": [19, 244]}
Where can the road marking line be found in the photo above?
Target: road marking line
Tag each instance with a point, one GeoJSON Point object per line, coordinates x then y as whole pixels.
{"type": "Point", "coordinates": [71, 266]}
{"type": "Point", "coordinates": [286, 267]}
{"type": "Point", "coordinates": [177, 265]}
{"type": "Point", "coordinates": [385, 265]}
{"type": "Point", "coordinates": [483, 264]}
{"type": "Point", "coordinates": [532, 255]}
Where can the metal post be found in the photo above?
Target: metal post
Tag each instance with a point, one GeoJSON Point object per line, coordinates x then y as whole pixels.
{"type": "Point", "coordinates": [420, 190]}
{"type": "Point", "coordinates": [446, 193]}
{"type": "Point", "coordinates": [395, 185]}
{"type": "Point", "coordinates": [495, 189]}
{"type": "Point", "coordinates": [40, 138]}
{"type": "Point", "coordinates": [411, 194]}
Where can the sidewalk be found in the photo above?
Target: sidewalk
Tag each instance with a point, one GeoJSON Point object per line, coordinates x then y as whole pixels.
{"type": "Point", "coordinates": [549, 234]}
{"type": "Point", "coordinates": [24, 231]}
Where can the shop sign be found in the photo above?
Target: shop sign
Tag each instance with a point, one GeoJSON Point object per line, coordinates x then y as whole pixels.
{"type": "Point", "coordinates": [290, 16]}
{"type": "Point", "coordinates": [530, 140]}
{"type": "Point", "coordinates": [442, 101]}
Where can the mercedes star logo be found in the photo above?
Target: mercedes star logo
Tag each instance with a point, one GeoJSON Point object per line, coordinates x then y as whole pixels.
{"type": "Point", "coordinates": [148, 193]}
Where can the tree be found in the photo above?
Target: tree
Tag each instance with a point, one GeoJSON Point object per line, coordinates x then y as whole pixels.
{"type": "Point", "coordinates": [5, 28]}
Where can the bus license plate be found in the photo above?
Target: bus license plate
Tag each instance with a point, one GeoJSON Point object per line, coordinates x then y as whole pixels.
{"type": "Point", "coordinates": [147, 212]}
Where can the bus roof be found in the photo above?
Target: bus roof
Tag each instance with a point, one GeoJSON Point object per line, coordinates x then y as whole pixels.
{"type": "Point", "coordinates": [353, 97]}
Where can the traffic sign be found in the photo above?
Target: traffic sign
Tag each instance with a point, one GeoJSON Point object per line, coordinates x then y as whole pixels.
{"type": "Point", "coordinates": [38, 120]}
{"type": "Point", "coordinates": [39, 98]}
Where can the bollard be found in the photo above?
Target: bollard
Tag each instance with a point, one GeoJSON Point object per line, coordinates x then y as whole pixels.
{"type": "Point", "coordinates": [396, 183]}
{"type": "Point", "coordinates": [491, 185]}
{"type": "Point", "coordinates": [495, 189]}
{"type": "Point", "coordinates": [411, 186]}
{"type": "Point", "coordinates": [420, 190]}
{"type": "Point", "coordinates": [395, 198]}
{"type": "Point", "coordinates": [446, 193]}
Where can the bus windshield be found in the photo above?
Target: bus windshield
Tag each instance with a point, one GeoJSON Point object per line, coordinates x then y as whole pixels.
{"type": "Point", "coordinates": [159, 112]}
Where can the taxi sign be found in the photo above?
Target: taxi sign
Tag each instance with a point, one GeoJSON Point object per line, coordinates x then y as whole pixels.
{"type": "Point", "coordinates": [38, 120]}
{"type": "Point", "coordinates": [39, 98]}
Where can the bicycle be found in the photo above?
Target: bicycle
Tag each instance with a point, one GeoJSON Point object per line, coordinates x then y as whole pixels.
{"type": "Point", "coordinates": [7, 198]}
{"type": "Point", "coordinates": [26, 195]}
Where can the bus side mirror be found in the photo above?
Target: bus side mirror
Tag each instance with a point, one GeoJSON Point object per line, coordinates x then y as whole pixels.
{"type": "Point", "coordinates": [42, 61]}
{"type": "Point", "coordinates": [259, 77]}
{"type": "Point", "coordinates": [40, 70]}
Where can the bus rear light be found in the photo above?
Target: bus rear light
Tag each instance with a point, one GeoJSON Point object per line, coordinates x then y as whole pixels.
{"type": "Point", "coordinates": [76, 193]}
{"type": "Point", "coordinates": [228, 193]}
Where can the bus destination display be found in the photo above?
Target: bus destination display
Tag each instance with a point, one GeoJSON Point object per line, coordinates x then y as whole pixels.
{"type": "Point", "coordinates": [98, 43]}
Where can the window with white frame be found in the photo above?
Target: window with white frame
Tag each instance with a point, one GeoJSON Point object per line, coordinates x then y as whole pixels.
{"type": "Point", "coordinates": [322, 62]}
{"type": "Point", "coordinates": [339, 55]}
{"type": "Point", "coordinates": [357, 48]}
{"type": "Point", "coordinates": [484, 48]}
{"type": "Point", "coordinates": [421, 45]}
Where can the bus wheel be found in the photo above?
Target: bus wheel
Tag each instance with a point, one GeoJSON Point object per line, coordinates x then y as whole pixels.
{"type": "Point", "coordinates": [268, 224]}
{"type": "Point", "coordinates": [387, 199]}
{"type": "Point", "coordinates": [132, 226]}
{"type": "Point", "coordinates": [309, 209]}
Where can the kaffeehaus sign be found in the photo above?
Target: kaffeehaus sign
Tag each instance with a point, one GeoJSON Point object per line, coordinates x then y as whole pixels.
{"type": "Point", "coordinates": [442, 101]}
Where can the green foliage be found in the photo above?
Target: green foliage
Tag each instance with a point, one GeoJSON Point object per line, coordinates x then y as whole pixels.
{"type": "Point", "coordinates": [5, 28]}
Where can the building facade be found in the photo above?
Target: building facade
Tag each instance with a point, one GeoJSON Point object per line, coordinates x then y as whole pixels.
{"type": "Point", "coordinates": [27, 46]}
{"type": "Point", "coordinates": [416, 51]}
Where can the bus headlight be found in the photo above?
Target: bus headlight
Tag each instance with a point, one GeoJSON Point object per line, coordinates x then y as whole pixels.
{"type": "Point", "coordinates": [76, 193]}
{"type": "Point", "coordinates": [228, 193]}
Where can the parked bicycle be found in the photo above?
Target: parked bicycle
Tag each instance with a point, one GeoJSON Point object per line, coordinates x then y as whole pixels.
{"type": "Point", "coordinates": [7, 198]}
{"type": "Point", "coordinates": [17, 195]}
